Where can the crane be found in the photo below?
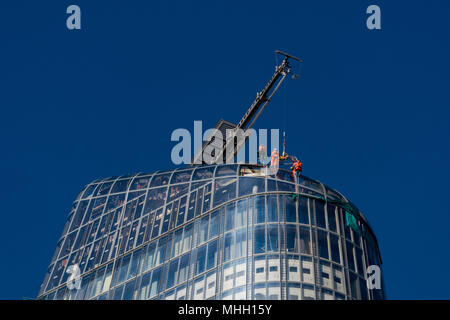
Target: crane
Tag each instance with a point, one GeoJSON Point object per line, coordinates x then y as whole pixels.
{"type": "Point", "coordinates": [259, 104]}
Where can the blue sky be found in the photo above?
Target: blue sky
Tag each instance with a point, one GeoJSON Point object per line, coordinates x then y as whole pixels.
{"type": "Point", "coordinates": [369, 116]}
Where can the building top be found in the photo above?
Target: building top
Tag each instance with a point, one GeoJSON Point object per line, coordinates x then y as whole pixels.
{"type": "Point", "coordinates": [179, 178]}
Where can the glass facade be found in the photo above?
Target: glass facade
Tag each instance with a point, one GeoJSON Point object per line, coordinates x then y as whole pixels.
{"type": "Point", "coordinates": [212, 232]}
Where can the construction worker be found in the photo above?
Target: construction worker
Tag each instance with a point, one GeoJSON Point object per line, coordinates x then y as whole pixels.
{"type": "Point", "coordinates": [296, 168]}
{"type": "Point", "coordinates": [274, 161]}
{"type": "Point", "coordinates": [262, 154]}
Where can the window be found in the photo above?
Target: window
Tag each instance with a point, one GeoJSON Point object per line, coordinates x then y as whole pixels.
{"type": "Point", "coordinates": [305, 241]}
{"type": "Point", "coordinates": [260, 209]}
{"type": "Point", "coordinates": [320, 214]}
{"type": "Point", "coordinates": [230, 216]}
{"type": "Point", "coordinates": [187, 237]}
{"type": "Point", "coordinates": [292, 239]}
{"type": "Point", "coordinates": [249, 185]}
{"type": "Point", "coordinates": [154, 284]}
{"type": "Point", "coordinates": [241, 243]}
{"type": "Point", "coordinates": [272, 237]}
{"type": "Point", "coordinates": [226, 170]}
{"type": "Point", "coordinates": [212, 254]}
{"type": "Point", "coordinates": [214, 225]}
{"type": "Point", "coordinates": [200, 261]}
{"type": "Point", "coordinates": [350, 259]}
{"type": "Point", "coordinates": [259, 245]}
{"type": "Point", "coordinates": [160, 179]}
{"type": "Point", "coordinates": [181, 176]}
{"type": "Point", "coordinates": [303, 210]}
{"type": "Point", "coordinates": [183, 268]}
{"type": "Point", "coordinates": [203, 173]}
{"type": "Point", "coordinates": [334, 245]}
{"type": "Point", "coordinates": [289, 206]}
{"type": "Point", "coordinates": [224, 190]}
{"type": "Point", "coordinates": [260, 270]}
{"type": "Point", "coordinates": [172, 273]}
{"type": "Point", "coordinates": [229, 247]}
{"type": "Point", "coordinates": [272, 208]}
{"type": "Point", "coordinates": [323, 244]}
{"type": "Point", "coordinates": [241, 213]}
{"type": "Point", "coordinates": [331, 217]}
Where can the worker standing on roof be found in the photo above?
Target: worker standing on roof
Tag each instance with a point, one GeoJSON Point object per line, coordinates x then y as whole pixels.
{"type": "Point", "coordinates": [262, 154]}
{"type": "Point", "coordinates": [275, 161]}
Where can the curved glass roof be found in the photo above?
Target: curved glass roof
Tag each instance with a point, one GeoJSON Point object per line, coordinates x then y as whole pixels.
{"type": "Point", "coordinates": [200, 173]}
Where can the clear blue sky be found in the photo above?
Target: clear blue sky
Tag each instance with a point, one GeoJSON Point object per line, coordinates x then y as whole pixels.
{"type": "Point", "coordinates": [370, 115]}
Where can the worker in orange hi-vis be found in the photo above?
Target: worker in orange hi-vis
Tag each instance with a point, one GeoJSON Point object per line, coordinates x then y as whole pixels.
{"type": "Point", "coordinates": [296, 168]}
{"type": "Point", "coordinates": [275, 161]}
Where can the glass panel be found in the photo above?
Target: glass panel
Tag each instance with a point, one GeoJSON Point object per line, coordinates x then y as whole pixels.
{"type": "Point", "coordinates": [140, 183]}
{"type": "Point", "coordinates": [177, 243]}
{"type": "Point", "coordinates": [260, 209]}
{"type": "Point", "coordinates": [322, 244]}
{"type": "Point", "coordinates": [226, 170]}
{"type": "Point", "coordinates": [272, 237]}
{"type": "Point", "coordinates": [203, 173]}
{"type": "Point", "coordinates": [212, 254]}
{"type": "Point", "coordinates": [177, 191]}
{"type": "Point", "coordinates": [183, 268]}
{"type": "Point", "coordinates": [144, 289]}
{"type": "Point", "coordinates": [350, 259]}
{"type": "Point", "coordinates": [154, 284]}
{"type": "Point", "coordinates": [128, 291]}
{"type": "Point", "coordinates": [305, 241]}
{"type": "Point", "coordinates": [225, 189]}
{"type": "Point", "coordinates": [334, 245]}
{"type": "Point", "coordinates": [230, 216]}
{"type": "Point", "coordinates": [181, 176]}
{"type": "Point", "coordinates": [161, 251]}
{"type": "Point", "coordinates": [320, 214]}
{"type": "Point", "coordinates": [241, 243]}
{"type": "Point", "coordinates": [201, 258]}
{"type": "Point", "coordinates": [292, 238]}
{"type": "Point", "coordinates": [289, 207]}
{"type": "Point", "coordinates": [214, 225]}
{"type": "Point", "coordinates": [259, 245]}
{"type": "Point", "coordinates": [249, 185]}
{"type": "Point", "coordinates": [229, 247]}
{"type": "Point", "coordinates": [285, 175]}
{"type": "Point", "coordinates": [187, 237]}
{"type": "Point", "coordinates": [120, 186]}
{"type": "Point", "coordinates": [160, 179]}
{"type": "Point", "coordinates": [203, 231]}
{"type": "Point", "coordinates": [155, 199]}
{"type": "Point", "coordinates": [241, 213]}
{"type": "Point", "coordinates": [303, 216]}
{"type": "Point", "coordinates": [172, 274]}
{"type": "Point", "coordinates": [331, 217]}
{"type": "Point", "coordinates": [272, 208]}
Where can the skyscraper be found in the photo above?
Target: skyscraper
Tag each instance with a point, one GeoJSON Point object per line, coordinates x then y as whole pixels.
{"type": "Point", "coordinates": [212, 232]}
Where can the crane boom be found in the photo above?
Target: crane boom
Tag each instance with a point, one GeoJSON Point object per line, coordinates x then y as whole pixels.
{"type": "Point", "coordinates": [249, 118]}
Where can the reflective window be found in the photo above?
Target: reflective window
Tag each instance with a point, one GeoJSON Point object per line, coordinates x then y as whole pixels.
{"type": "Point", "coordinates": [322, 243]}
{"type": "Point", "coordinates": [160, 179]}
{"type": "Point", "coordinates": [225, 189]}
{"type": "Point", "coordinates": [171, 242]}
{"type": "Point", "coordinates": [248, 185]}
{"type": "Point", "coordinates": [226, 170]}
{"type": "Point", "coordinates": [203, 173]}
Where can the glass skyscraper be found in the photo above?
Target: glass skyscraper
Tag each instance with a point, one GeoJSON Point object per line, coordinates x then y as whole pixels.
{"type": "Point", "coordinates": [212, 232]}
